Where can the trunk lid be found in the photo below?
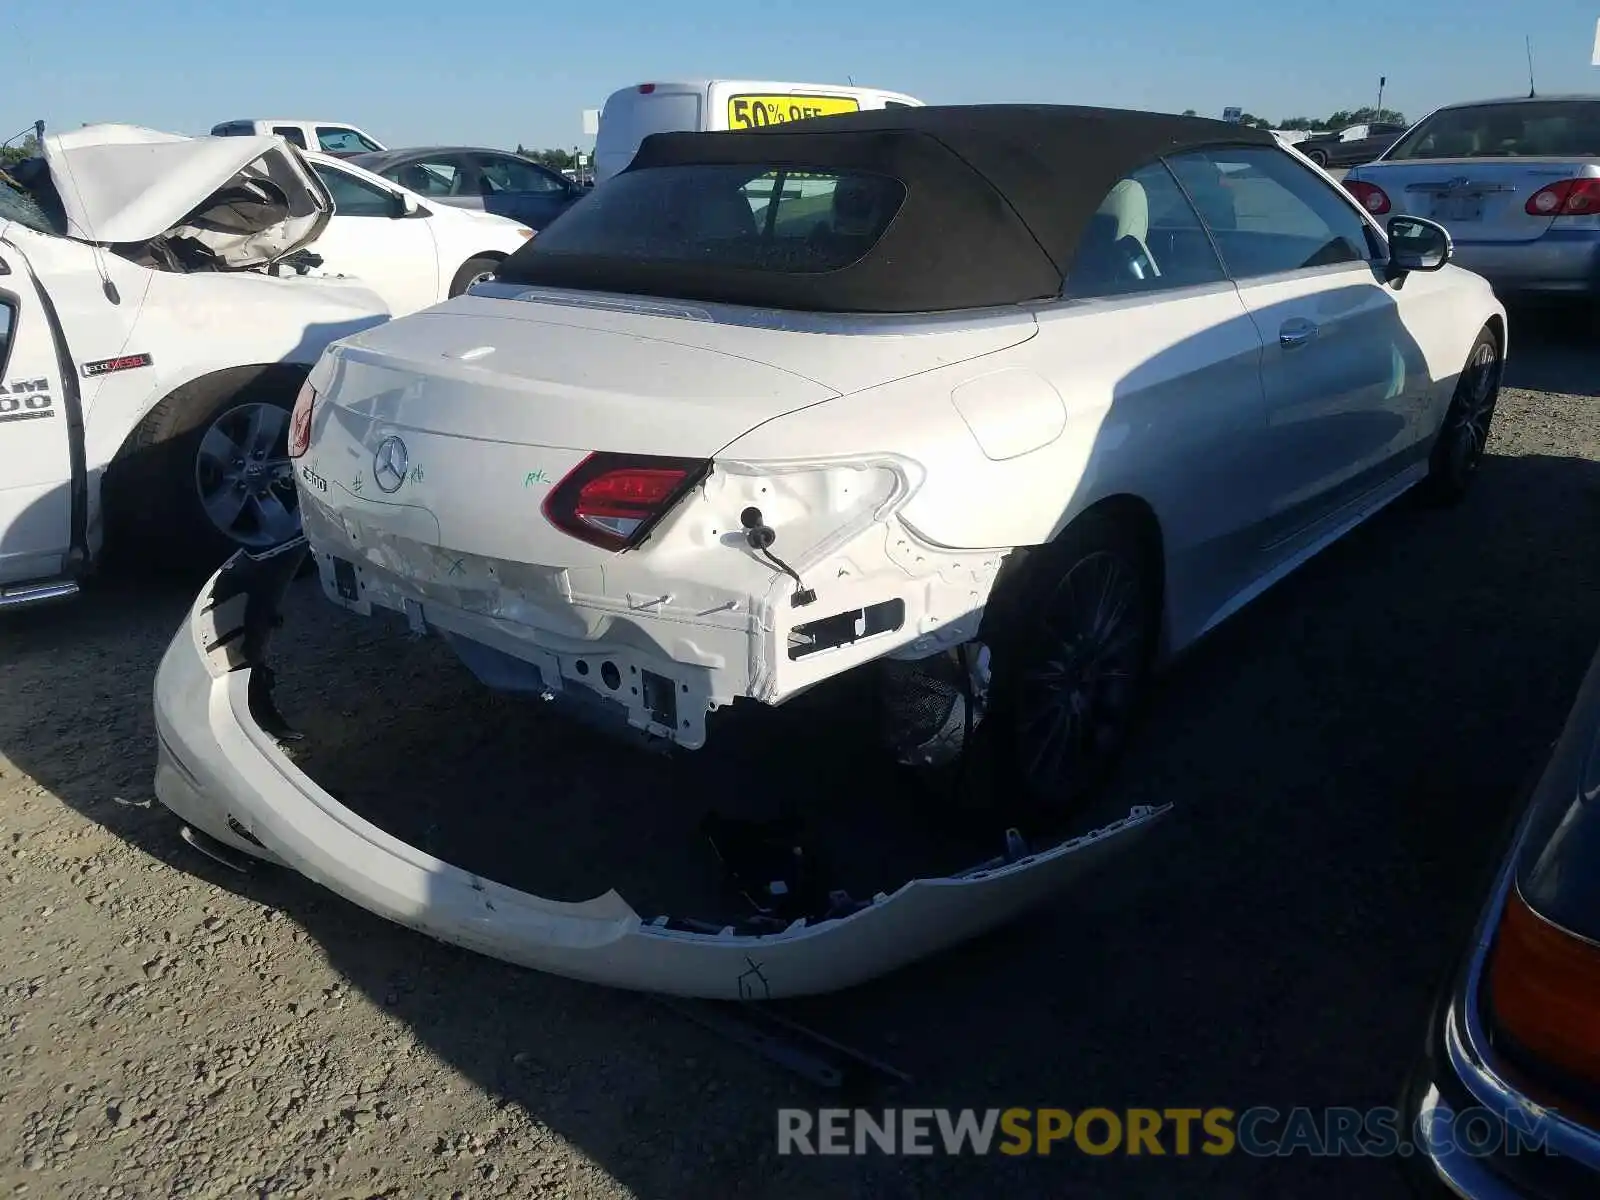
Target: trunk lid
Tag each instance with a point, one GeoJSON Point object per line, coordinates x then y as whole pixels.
{"type": "Point", "coordinates": [477, 375]}
{"type": "Point", "coordinates": [1477, 199]}
{"type": "Point", "coordinates": [247, 201]}
{"type": "Point", "coordinates": [633, 376]}
{"type": "Point", "coordinates": [496, 400]}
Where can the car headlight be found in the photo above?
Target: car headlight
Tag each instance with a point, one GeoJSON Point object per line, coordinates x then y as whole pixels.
{"type": "Point", "coordinates": [526, 233]}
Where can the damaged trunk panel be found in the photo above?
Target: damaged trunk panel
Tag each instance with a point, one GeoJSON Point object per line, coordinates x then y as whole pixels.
{"type": "Point", "coordinates": [223, 768]}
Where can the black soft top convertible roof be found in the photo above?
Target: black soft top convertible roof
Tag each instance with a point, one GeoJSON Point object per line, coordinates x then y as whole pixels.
{"type": "Point", "coordinates": [997, 198]}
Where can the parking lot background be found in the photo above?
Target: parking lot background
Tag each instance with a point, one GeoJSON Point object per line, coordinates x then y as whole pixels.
{"type": "Point", "coordinates": [1343, 757]}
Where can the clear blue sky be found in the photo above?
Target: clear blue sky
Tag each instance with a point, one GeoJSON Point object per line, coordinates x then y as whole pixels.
{"type": "Point", "coordinates": [500, 72]}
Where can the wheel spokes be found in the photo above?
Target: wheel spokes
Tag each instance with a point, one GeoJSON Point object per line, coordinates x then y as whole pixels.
{"type": "Point", "coordinates": [1078, 692]}
{"type": "Point", "coordinates": [224, 505]}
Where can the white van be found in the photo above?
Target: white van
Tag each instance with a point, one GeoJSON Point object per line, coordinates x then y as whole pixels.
{"type": "Point", "coordinates": [633, 113]}
{"type": "Point", "coordinates": [330, 137]}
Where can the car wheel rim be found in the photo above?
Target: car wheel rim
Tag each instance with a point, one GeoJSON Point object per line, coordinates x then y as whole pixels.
{"type": "Point", "coordinates": [1474, 409]}
{"type": "Point", "coordinates": [244, 479]}
{"type": "Point", "coordinates": [480, 277]}
{"type": "Point", "coordinates": [1079, 689]}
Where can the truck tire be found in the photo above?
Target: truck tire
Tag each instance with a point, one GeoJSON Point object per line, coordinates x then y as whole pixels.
{"type": "Point", "coordinates": [207, 472]}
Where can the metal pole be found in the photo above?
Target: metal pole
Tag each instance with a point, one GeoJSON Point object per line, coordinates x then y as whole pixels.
{"type": "Point", "coordinates": [1382, 79]}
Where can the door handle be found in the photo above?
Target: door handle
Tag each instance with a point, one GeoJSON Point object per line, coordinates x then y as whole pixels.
{"type": "Point", "coordinates": [1296, 333]}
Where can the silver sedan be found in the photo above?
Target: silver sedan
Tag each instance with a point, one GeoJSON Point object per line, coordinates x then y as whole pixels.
{"type": "Point", "coordinates": [1516, 182]}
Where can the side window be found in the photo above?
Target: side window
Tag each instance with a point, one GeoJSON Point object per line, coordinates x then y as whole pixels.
{"type": "Point", "coordinates": [354, 197]}
{"type": "Point", "coordinates": [291, 133]}
{"type": "Point", "coordinates": [1270, 214]}
{"type": "Point", "coordinates": [8, 322]}
{"type": "Point", "coordinates": [1145, 237]}
{"type": "Point", "coordinates": [429, 176]}
{"type": "Point", "coordinates": [800, 207]}
{"type": "Point", "coordinates": [513, 175]}
{"type": "Point", "coordinates": [342, 141]}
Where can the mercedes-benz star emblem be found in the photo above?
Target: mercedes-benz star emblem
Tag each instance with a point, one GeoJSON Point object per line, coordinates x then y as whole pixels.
{"type": "Point", "coordinates": [389, 464]}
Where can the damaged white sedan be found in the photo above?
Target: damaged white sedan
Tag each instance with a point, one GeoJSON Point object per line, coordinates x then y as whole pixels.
{"type": "Point", "coordinates": [1008, 403]}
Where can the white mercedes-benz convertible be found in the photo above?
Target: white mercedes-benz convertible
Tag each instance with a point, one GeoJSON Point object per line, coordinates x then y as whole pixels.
{"type": "Point", "coordinates": [1010, 402]}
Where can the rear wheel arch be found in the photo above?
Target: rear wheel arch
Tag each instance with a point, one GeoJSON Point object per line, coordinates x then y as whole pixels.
{"type": "Point", "coordinates": [1496, 325]}
{"type": "Point", "coordinates": [1122, 510]}
{"type": "Point", "coordinates": [173, 415]}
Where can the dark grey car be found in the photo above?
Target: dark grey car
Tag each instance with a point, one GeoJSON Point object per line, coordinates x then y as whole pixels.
{"type": "Point", "coordinates": [495, 181]}
{"type": "Point", "coordinates": [1331, 150]}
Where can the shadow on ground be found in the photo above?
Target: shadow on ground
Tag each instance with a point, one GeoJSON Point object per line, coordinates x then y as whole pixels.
{"type": "Point", "coordinates": [1343, 757]}
{"type": "Point", "coordinates": [1552, 349]}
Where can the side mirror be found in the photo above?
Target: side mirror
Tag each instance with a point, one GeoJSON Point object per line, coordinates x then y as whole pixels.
{"type": "Point", "coordinates": [1417, 244]}
{"type": "Point", "coordinates": [404, 206]}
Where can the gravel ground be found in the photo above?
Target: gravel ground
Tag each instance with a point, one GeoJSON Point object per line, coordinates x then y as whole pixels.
{"type": "Point", "coordinates": [1343, 757]}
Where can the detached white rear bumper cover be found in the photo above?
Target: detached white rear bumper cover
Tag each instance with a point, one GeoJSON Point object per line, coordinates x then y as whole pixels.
{"type": "Point", "coordinates": [220, 771]}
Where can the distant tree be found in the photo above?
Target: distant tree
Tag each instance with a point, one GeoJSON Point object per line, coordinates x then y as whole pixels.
{"type": "Point", "coordinates": [1345, 117]}
{"type": "Point", "coordinates": [1189, 112]}
{"type": "Point", "coordinates": [1366, 115]}
{"type": "Point", "coordinates": [556, 160]}
{"type": "Point", "coordinates": [1338, 120]}
{"type": "Point", "coordinates": [27, 148]}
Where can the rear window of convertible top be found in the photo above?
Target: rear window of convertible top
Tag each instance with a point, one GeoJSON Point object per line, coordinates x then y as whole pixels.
{"type": "Point", "coordinates": [716, 215]}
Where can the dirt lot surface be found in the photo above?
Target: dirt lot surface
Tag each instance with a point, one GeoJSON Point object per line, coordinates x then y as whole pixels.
{"type": "Point", "coordinates": [1343, 758]}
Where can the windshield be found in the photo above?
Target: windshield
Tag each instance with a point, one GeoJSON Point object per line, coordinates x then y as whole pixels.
{"type": "Point", "coordinates": [345, 141]}
{"type": "Point", "coordinates": [28, 197]}
{"type": "Point", "coordinates": [1523, 128]}
{"type": "Point", "coordinates": [761, 218]}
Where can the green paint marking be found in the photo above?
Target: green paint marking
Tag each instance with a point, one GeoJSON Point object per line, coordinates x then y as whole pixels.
{"type": "Point", "coordinates": [534, 477]}
{"type": "Point", "coordinates": [416, 474]}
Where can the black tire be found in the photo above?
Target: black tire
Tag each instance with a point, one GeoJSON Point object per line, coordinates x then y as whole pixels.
{"type": "Point", "coordinates": [471, 272]}
{"type": "Point", "coordinates": [1459, 446]}
{"type": "Point", "coordinates": [1320, 157]}
{"type": "Point", "coordinates": [152, 493]}
{"type": "Point", "coordinates": [1071, 665]}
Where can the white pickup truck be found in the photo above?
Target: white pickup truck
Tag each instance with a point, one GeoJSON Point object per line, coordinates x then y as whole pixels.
{"type": "Point", "coordinates": [149, 351]}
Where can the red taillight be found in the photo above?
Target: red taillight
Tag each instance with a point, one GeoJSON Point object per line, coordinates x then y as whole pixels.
{"type": "Point", "coordinates": [1369, 195]}
{"type": "Point", "coordinates": [1569, 198]}
{"type": "Point", "coordinates": [611, 500]}
{"type": "Point", "coordinates": [1544, 990]}
{"type": "Point", "coordinates": [300, 420]}
{"type": "Point", "coordinates": [646, 88]}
